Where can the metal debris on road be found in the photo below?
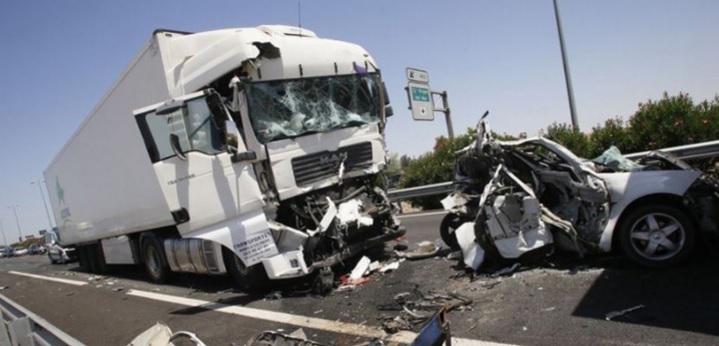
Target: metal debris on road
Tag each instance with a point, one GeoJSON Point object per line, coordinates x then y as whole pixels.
{"type": "Point", "coordinates": [414, 307]}
{"type": "Point", "coordinates": [618, 313]}
{"type": "Point", "coordinates": [505, 271]}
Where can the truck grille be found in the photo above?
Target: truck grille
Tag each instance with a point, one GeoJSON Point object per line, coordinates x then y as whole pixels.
{"type": "Point", "coordinates": [318, 166]}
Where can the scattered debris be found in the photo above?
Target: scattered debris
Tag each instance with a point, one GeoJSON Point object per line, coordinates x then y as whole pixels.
{"type": "Point", "coordinates": [270, 338]}
{"type": "Point", "coordinates": [160, 334]}
{"type": "Point", "coordinates": [618, 313]}
{"type": "Point", "coordinates": [389, 267]}
{"type": "Point", "coordinates": [4, 288]}
{"type": "Point", "coordinates": [425, 249]}
{"type": "Point", "coordinates": [275, 295]}
{"type": "Point", "coordinates": [118, 289]}
{"type": "Point", "coordinates": [505, 271]}
{"type": "Point", "coordinates": [413, 307]}
{"type": "Point", "coordinates": [550, 309]}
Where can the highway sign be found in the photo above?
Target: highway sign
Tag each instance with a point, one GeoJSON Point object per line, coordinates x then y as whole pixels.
{"type": "Point", "coordinates": [420, 101]}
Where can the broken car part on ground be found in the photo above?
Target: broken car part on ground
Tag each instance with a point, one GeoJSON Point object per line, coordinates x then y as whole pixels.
{"type": "Point", "coordinates": [524, 198]}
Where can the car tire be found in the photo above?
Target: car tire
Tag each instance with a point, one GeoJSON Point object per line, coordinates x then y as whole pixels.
{"type": "Point", "coordinates": [449, 224]}
{"type": "Point", "coordinates": [153, 256]}
{"type": "Point", "coordinates": [657, 235]}
{"type": "Point", "coordinates": [249, 279]}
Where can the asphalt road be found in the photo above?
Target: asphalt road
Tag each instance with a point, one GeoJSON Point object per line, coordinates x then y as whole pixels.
{"type": "Point", "coordinates": [562, 302]}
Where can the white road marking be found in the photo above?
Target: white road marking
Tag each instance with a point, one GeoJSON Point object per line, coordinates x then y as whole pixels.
{"type": "Point", "coordinates": [298, 320]}
{"type": "Point", "coordinates": [406, 216]}
{"type": "Point", "coordinates": [275, 316]}
{"type": "Point", "coordinates": [65, 281]}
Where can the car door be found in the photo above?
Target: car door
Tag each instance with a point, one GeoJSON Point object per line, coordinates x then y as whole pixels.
{"type": "Point", "coordinates": [212, 192]}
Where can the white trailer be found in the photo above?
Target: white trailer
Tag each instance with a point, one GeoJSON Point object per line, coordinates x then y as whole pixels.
{"type": "Point", "coordinates": [254, 151]}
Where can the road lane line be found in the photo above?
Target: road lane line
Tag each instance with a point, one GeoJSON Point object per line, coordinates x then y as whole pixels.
{"type": "Point", "coordinates": [297, 320]}
{"type": "Point", "coordinates": [65, 281]}
{"type": "Point", "coordinates": [405, 337]}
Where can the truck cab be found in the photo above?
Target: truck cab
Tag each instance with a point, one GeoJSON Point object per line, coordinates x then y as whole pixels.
{"type": "Point", "coordinates": [273, 167]}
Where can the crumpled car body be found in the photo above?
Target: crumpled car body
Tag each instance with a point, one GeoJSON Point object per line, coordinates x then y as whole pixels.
{"type": "Point", "coordinates": [519, 198]}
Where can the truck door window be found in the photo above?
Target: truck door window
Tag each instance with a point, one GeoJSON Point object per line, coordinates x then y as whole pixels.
{"type": "Point", "coordinates": [194, 126]}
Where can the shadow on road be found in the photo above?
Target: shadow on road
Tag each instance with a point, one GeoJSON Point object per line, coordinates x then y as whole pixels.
{"type": "Point", "coordinates": [679, 298]}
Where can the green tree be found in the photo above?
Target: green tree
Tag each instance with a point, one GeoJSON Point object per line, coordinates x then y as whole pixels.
{"type": "Point", "coordinates": [575, 140]}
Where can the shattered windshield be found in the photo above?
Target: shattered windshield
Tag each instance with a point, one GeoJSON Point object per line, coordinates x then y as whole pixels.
{"type": "Point", "coordinates": [290, 108]}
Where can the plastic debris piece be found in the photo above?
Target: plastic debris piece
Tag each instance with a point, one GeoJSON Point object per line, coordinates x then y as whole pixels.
{"type": "Point", "coordinates": [360, 269]}
{"type": "Point", "coordinates": [389, 267]}
{"type": "Point", "coordinates": [615, 314]}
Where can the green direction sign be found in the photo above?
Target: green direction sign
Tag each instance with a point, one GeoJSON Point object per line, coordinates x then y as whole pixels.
{"type": "Point", "coordinates": [420, 100]}
{"type": "Point", "coordinates": [420, 94]}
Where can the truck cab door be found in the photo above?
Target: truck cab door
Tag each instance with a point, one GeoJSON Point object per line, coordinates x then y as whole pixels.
{"type": "Point", "coordinates": [212, 192]}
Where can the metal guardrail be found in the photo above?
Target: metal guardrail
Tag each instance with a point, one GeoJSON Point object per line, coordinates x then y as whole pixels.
{"type": "Point", "coordinates": [689, 151]}
{"type": "Point", "coordinates": [22, 327]}
{"type": "Point", "coordinates": [420, 191]}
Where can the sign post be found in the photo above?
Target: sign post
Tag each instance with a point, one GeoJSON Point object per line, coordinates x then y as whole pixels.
{"type": "Point", "coordinates": [421, 98]}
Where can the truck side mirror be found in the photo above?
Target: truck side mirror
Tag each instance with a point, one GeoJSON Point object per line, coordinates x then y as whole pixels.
{"type": "Point", "coordinates": [175, 144]}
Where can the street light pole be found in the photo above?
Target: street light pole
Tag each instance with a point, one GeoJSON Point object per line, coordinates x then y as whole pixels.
{"type": "Point", "coordinates": [47, 212]}
{"type": "Point", "coordinates": [3, 233]}
{"type": "Point", "coordinates": [17, 221]}
{"type": "Point", "coordinates": [567, 76]}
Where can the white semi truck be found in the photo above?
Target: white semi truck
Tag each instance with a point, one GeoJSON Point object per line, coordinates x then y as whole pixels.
{"type": "Point", "coordinates": [256, 152]}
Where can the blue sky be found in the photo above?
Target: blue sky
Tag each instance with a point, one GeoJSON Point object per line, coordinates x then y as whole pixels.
{"type": "Point", "coordinates": [60, 57]}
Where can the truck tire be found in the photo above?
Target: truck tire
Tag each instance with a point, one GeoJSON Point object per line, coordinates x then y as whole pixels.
{"type": "Point", "coordinates": [657, 235]}
{"type": "Point", "coordinates": [153, 256]}
{"type": "Point", "coordinates": [250, 280]}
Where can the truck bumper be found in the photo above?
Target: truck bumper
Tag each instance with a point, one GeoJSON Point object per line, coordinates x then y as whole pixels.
{"type": "Point", "coordinates": [291, 264]}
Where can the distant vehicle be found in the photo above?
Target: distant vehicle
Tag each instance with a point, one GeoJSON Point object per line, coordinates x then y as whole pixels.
{"type": "Point", "coordinates": [19, 251]}
{"type": "Point", "coordinates": [55, 252]}
{"type": "Point", "coordinates": [36, 249]}
{"type": "Point", "coordinates": [6, 252]}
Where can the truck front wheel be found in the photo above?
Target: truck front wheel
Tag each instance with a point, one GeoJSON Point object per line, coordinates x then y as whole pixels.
{"type": "Point", "coordinates": [249, 279]}
{"type": "Point", "coordinates": [154, 258]}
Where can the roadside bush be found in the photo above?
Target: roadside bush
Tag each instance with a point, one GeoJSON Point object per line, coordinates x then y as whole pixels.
{"type": "Point", "coordinates": [574, 140]}
{"type": "Point", "coordinates": [614, 133]}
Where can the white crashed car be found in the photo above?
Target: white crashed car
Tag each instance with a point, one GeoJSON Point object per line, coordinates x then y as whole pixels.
{"type": "Point", "coordinates": [517, 198]}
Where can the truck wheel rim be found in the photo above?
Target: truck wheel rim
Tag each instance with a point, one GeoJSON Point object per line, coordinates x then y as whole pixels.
{"type": "Point", "coordinates": [153, 262]}
{"type": "Point", "coordinates": [657, 236]}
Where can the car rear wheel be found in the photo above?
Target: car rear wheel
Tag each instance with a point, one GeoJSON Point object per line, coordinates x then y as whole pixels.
{"type": "Point", "coordinates": [657, 235]}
